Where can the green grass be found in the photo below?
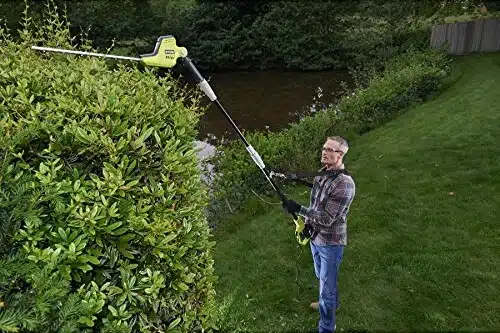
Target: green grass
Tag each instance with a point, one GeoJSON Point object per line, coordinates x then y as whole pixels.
{"type": "Point", "coordinates": [423, 237]}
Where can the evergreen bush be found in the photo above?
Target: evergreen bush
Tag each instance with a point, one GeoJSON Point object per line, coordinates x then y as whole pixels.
{"type": "Point", "coordinates": [100, 193]}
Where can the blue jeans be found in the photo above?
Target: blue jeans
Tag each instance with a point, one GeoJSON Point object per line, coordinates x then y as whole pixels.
{"type": "Point", "coordinates": [327, 260]}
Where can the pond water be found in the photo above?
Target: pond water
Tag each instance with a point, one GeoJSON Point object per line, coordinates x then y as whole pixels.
{"type": "Point", "coordinates": [266, 100]}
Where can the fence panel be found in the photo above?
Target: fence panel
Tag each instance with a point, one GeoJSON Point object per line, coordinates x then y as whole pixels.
{"type": "Point", "coordinates": [467, 37]}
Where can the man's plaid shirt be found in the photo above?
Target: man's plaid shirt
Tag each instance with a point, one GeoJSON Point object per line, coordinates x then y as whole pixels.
{"type": "Point", "coordinates": [330, 201]}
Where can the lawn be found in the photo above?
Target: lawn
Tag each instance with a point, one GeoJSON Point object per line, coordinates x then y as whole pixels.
{"type": "Point", "coordinates": [423, 248]}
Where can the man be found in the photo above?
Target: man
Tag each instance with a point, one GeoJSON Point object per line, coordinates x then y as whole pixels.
{"type": "Point", "coordinates": [331, 197]}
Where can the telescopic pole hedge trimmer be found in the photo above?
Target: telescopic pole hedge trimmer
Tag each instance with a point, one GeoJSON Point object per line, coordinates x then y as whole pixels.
{"type": "Point", "coordinates": [166, 55]}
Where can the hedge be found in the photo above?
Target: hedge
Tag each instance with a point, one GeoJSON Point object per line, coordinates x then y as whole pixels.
{"type": "Point", "coordinates": [100, 192]}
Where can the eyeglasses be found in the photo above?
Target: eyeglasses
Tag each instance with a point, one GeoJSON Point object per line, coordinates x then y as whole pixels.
{"type": "Point", "coordinates": [330, 150]}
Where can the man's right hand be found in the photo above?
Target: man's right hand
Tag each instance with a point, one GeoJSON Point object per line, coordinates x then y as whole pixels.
{"type": "Point", "coordinates": [291, 206]}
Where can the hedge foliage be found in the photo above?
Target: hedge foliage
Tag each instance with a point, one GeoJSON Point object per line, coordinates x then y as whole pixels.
{"type": "Point", "coordinates": [101, 192]}
{"type": "Point", "coordinates": [407, 80]}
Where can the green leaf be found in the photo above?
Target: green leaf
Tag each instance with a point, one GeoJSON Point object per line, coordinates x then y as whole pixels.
{"type": "Point", "coordinates": [126, 238]}
{"type": "Point", "coordinates": [85, 268]}
{"type": "Point", "coordinates": [131, 167]}
{"type": "Point", "coordinates": [98, 240]}
{"type": "Point", "coordinates": [174, 323]}
{"type": "Point", "coordinates": [77, 276]}
{"type": "Point", "coordinates": [182, 286]}
{"type": "Point", "coordinates": [113, 226]}
{"type": "Point", "coordinates": [62, 233]}
{"type": "Point", "coordinates": [132, 183]}
{"type": "Point", "coordinates": [113, 311]}
{"type": "Point", "coordinates": [81, 246]}
{"type": "Point", "coordinates": [120, 231]}
{"type": "Point", "coordinates": [92, 259]}
{"type": "Point", "coordinates": [32, 258]}
{"type": "Point", "coordinates": [43, 168]}
{"type": "Point", "coordinates": [158, 139]}
{"type": "Point", "coordinates": [123, 250]}
{"type": "Point", "coordinates": [87, 321]}
{"type": "Point", "coordinates": [189, 278]}
{"type": "Point", "coordinates": [121, 299]}
{"type": "Point", "coordinates": [115, 290]}
{"type": "Point", "coordinates": [169, 238]}
{"type": "Point", "coordinates": [100, 303]}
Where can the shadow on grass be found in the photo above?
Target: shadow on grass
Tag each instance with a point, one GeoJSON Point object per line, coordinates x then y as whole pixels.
{"type": "Point", "coordinates": [301, 331]}
{"type": "Point", "coordinates": [344, 331]}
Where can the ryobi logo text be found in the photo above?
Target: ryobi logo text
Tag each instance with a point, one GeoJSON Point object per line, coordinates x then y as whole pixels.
{"type": "Point", "coordinates": [170, 54]}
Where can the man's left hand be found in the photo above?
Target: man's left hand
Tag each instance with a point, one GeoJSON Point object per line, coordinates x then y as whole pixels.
{"type": "Point", "coordinates": [291, 206]}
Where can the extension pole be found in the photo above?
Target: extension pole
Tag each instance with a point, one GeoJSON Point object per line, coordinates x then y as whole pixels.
{"type": "Point", "coordinates": [205, 87]}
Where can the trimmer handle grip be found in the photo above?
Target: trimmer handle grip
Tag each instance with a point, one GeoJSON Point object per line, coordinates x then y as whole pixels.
{"type": "Point", "coordinates": [192, 70]}
{"type": "Point", "coordinates": [197, 77]}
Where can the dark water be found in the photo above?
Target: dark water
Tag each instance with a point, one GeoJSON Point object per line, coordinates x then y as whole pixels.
{"type": "Point", "coordinates": [267, 100]}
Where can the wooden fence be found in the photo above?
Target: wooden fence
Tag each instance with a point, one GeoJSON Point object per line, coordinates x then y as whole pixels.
{"type": "Point", "coordinates": [467, 37]}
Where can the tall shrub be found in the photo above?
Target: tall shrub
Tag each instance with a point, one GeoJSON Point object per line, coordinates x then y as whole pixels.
{"type": "Point", "coordinates": [100, 186]}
